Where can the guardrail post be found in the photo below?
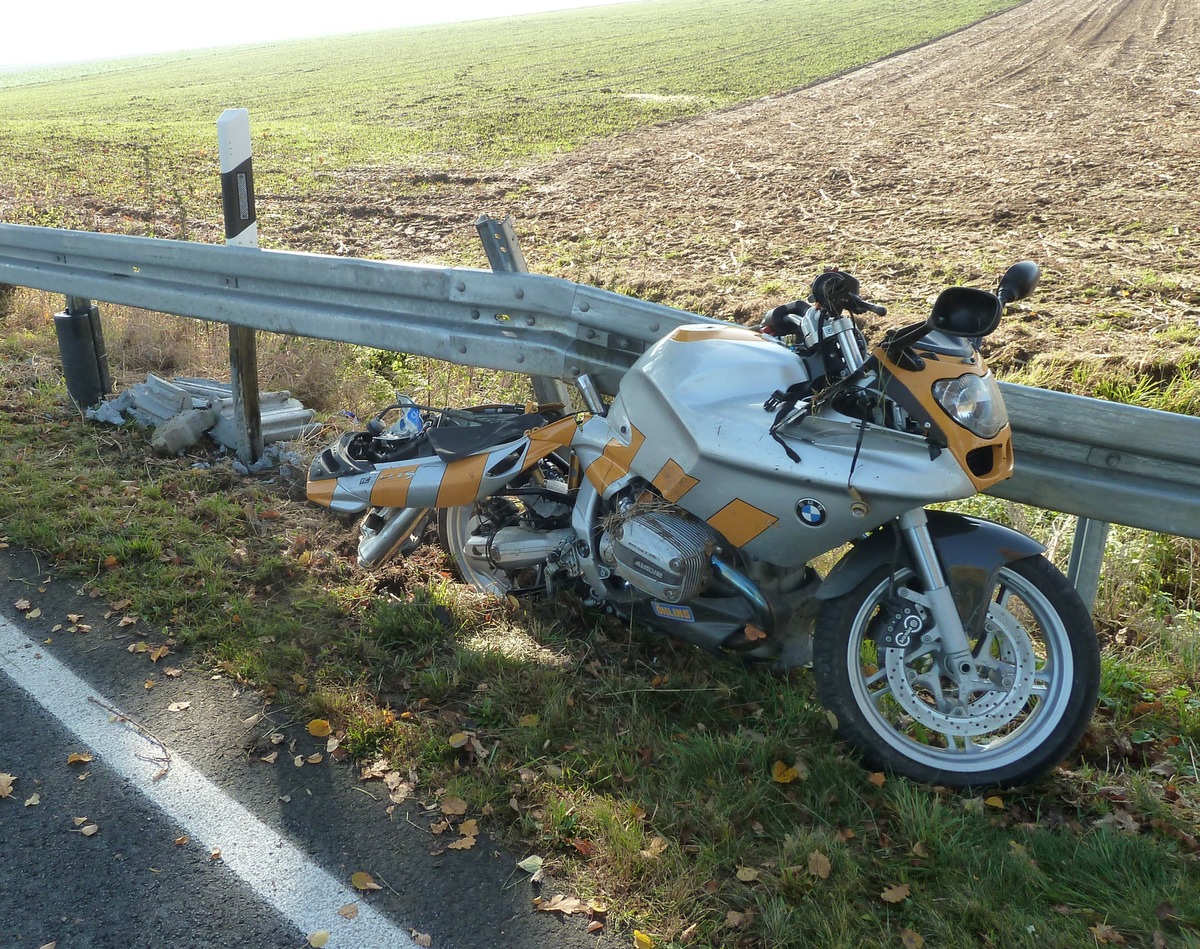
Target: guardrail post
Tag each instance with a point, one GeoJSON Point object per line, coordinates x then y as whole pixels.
{"type": "Point", "coordinates": [504, 254]}
{"type": "Point", "coordinates": [241, 229]}
{"type": "Point", "coordinates": [1087, 558]}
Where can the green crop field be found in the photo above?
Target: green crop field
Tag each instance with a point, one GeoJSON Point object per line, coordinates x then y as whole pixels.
{"type": "Point", "coordinates": [142, 131]}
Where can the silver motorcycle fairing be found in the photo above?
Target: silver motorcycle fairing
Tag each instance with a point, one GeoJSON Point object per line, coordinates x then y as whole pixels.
{"type": "Point", "coordinates": [971, 551]}
{"type": "Point", "coordinates": [691, 421]}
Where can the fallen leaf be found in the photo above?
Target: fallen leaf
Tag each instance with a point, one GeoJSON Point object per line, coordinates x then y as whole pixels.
{"type": "Point", "coordinates": [88, 830]}
{"type": "Point", "coordinates": [994, 801]}
{"type": "Point", "coordinates": [22, 605]}
{"type": "Point", "coordinates": [595, 926]}
{"type": "Point", "coordinates": [6, 784]}
{"type": "Point", "coordinates": [315, 758]}
{"type": "Point", "coordinates": [182, 841]}
{"type": "Point", "coordinates": [32, 801]}
{"type": "Point", "coordinates": [832, 719]}
{"type": "Point", "coordinates": [458, 739]}
{"type": "Point", "coordinates": [877, 778]}
{"type": "Point", "coordinates": [117, 605]}
{"type": "Point", "coordinates": [783, 773]}
{"type": "Point", "coordinates": [173, 672]}
{"type": "Point", "coordinates": [34, 613]}
{"type": "Point", "coordinates": [528, 721]}
{"type": "Point", "coordinates": [179, 706]}
{"type": "Point", "coordinates": [364, 881]}
{"type": "Point", "coordinates": [655, 848]}
{"type": "Point", "coordinates": [349, 911]}
{"type": "Point", "coordinates": [148, 684]}
{"type": "Point", "coordinates": [77, 757]}
{"type": "Point", "coordinates": [563, 904]}
{"type": "Point", "coordinates": [215, 853]}
{"type": "Point", "coordinates": [747, 874]}
{"type": "Point", "coordinates": [80, 821]}
{"type": "Point", "coordinates": [320, 728]}
{"type": "Point", "coordinates": [734, 919]}
{"type": "Point", "coordinates": [129, 621]}
{"type": "Point", "coordinates": [440, 827]}
{"type": "Point", "coordinates": [896, 894]}
{"type": "Point", "coordinates": [1105, 933]}
{"type": "Point", "coordinates": [319, 939]}
{"type": "Point", "coordinates": [753, 633]}
{"type": "Point", "coordinates": [158, 653]}
{"type": "Point", "coordinates": [819, 865]}
{"type": "Point", "coordinates": [641, 940]}
{"type": "Point", "coordinates": [469, 828]}
{"type": "Point", "coordinates": [271, 758]}
{"type": "Point", "coordinates": [464, 843]}
{"type": "Point", "coordinates": [424, 940]}
{"type": "Point", "coordinates": [454, 806]}
{"type": "Point", "coordinates": [110, 561]}
{"type": "Point", "coordinates": [911, 940]}
{"type": "Point", "coordinates": [530, 864]}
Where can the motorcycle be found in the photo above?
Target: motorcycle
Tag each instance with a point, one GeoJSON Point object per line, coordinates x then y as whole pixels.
{"type": "Point", "coordinates": [948, 648]}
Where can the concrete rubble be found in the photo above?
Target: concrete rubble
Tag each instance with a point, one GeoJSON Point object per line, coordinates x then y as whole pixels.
{"type": "Point", "coordinates": [182, 410]}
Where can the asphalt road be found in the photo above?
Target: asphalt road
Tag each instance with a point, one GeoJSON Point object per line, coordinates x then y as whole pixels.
{"type": "Point", "coordinates": [289, 838]}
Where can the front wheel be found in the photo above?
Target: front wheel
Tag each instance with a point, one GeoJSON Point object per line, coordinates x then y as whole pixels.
{"type": "Point", "coordinates": [1038, 666]}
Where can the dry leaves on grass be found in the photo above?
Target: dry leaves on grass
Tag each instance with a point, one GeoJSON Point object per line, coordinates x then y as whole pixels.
{"type": "Point", "coordinates": [819, 865]}
{"type": "Point", "coordinates": [896, 894]}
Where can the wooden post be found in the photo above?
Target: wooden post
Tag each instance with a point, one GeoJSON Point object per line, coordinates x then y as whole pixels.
{"type": "Point", "coordinates": [241, 229]}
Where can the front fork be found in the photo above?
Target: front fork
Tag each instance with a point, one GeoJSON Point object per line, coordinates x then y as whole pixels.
{"type": "Point", "coordinates": [958, 661]}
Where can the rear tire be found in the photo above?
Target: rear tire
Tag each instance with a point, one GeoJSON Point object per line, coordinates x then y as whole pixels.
{"type": "Point", "coordinates": [900, 711]}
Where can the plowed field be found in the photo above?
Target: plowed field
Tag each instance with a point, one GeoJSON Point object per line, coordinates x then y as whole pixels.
{"type": "Point", "coordinates": [1067, 131]}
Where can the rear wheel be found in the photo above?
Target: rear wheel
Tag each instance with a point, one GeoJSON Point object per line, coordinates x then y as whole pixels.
{"type": "Point", "coordinates": [1037, 655]}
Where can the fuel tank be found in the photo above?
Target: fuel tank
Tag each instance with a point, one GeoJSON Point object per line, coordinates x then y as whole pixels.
{"type": "Point", "coordinates": [689, 418]}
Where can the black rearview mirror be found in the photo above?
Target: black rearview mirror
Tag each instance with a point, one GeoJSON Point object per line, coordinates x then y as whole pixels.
{"type": "Point", "coordinates": [965, 311]}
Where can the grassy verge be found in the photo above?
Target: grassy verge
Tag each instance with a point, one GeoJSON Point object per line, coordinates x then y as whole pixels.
{"type": "Point", "coordinates": [698, 801]}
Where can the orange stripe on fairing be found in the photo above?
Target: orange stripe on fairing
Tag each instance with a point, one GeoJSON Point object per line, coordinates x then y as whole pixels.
{"type": "Point", "coordinates": [696, 334]}
{"type": "Point", "coordinates": [461, 481]}
{"type": "Point", "coordinates": [740, 522]}
{"type": "Point", "coordinates": [321, 492]}
{"type": "Point", "coordinates": [673, 482]}
{"type": "Point", "coordinates": [550, 438]}
{"type": "Point", "coordinates": [614, 462]}
{"type": "Point", "coordinates": [391, 486]}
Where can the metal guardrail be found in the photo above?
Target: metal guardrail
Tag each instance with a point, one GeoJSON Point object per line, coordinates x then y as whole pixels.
{"type": "Point", "coordinates": [1105, 462]}
{"type": "Point", "coordinates": [527, 323]}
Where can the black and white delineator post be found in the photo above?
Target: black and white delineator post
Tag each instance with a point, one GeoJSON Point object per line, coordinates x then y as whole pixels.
{"type": "Point", "coordinates": [241, 229]}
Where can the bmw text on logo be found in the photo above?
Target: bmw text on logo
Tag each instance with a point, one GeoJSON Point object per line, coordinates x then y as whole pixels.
{"type": "Point", "coordinates": [810, 511]}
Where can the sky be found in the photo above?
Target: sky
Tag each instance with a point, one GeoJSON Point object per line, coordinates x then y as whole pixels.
{"type": "Point", "coordinates": [68, 31]}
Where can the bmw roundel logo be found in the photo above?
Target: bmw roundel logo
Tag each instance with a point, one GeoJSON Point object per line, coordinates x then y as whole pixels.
{"type": "Point", "coordinates": [810, 511]}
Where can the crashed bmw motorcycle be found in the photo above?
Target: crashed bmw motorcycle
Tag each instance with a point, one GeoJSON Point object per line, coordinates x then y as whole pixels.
{"type": "Point", "coordinates": [948, 648]}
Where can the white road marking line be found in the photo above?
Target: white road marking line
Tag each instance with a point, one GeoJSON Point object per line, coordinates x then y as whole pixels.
{"type": "Point", "coordinates": [262, 858]}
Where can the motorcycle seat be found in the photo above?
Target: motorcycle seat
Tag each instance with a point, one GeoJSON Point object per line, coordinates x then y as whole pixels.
{"type": "Point", "coordinates": [459, 441]}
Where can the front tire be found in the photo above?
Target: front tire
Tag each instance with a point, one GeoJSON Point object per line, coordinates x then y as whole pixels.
{"type": "Point", "coordinates": [897, 707]}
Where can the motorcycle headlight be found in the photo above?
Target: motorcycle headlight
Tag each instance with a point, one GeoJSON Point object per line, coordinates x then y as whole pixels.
{"type": "Point", "coordinates": [974, 402]}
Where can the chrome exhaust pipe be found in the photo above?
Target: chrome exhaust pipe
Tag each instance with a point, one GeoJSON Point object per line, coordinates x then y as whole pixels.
{"type": "Point", "coordinates": [385, 530]}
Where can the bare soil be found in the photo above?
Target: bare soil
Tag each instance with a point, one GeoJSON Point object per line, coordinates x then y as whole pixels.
{"type": "Point", "coordinates": [1066, 131]}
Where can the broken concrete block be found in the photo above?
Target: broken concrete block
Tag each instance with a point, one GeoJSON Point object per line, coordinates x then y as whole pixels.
{"type": "Point", "coordinates": [183, 430]}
